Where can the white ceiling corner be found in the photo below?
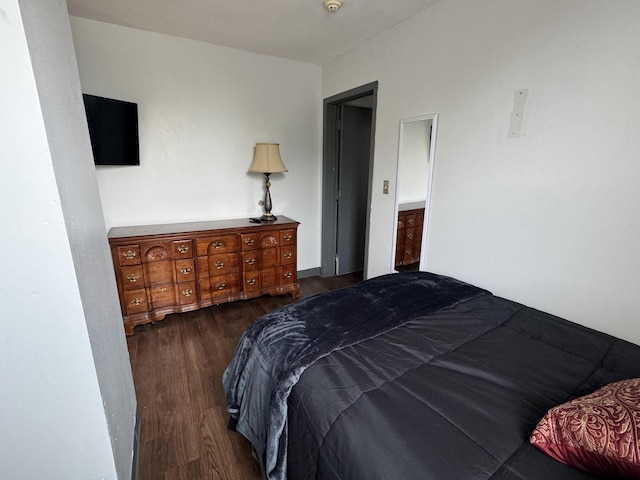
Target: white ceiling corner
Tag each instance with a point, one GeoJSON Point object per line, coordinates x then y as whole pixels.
{"type": "Point", "coordinates": [295, 29]}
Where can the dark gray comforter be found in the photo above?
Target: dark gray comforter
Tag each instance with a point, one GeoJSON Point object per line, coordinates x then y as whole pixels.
{"type": "Point", "coordinates": [452, 395]}
{"type": "Point", "coordinates": [412, 376]}
{"type": "Point", "coordinates": [277, 348]}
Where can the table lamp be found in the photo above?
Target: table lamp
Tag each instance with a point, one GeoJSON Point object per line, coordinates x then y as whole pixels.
{"type": "Point", "coordinates": [267, 160]}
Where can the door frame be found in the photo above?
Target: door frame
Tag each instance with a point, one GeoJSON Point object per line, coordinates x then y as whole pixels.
{"type": "Point", "coordinates": [330, 154]}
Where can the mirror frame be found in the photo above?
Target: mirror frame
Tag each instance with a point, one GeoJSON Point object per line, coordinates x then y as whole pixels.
{"type": "Point", "coordinates": [427, 206]}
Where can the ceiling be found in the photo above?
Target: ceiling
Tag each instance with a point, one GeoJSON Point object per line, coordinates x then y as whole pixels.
{"type": "Point", "coordinates": [296, 29]}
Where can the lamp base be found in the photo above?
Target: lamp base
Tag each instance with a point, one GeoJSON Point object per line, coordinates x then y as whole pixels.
{"type": "Point", "coordinates": [268, 218]}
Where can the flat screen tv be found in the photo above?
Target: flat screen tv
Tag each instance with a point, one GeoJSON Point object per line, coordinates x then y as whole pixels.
{"type": "Point", "coordinates": [113, 129]}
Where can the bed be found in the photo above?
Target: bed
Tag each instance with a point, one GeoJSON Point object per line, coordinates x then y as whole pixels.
{"type": "Point", "coordinates": [412, 376]}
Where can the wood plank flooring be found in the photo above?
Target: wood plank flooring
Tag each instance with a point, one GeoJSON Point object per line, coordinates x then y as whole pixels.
{"type": "Point", "coordinates": [177, 369]}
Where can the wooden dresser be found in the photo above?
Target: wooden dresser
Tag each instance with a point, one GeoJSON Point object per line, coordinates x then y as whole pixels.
{"type": "Point", "coordinates": [409, 236]}
{"type": "Point", "coordinates": [169, 268]}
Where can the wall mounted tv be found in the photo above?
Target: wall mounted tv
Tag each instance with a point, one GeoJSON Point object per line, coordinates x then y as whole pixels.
{"type": "Point", "coordinates": [113, 129]}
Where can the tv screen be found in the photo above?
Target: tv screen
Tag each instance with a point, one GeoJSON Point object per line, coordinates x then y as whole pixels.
{"type": "Point", "coordinates": [113, 129]}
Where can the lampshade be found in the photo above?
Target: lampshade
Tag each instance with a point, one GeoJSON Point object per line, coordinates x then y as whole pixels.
{"type": "Point", "coordinates": [267, 159]}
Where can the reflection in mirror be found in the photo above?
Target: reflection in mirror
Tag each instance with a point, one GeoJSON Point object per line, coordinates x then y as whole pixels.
{"type": "Point", "coordinates": [413, 186]}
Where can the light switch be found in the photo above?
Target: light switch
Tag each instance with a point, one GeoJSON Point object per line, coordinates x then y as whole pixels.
{"type": "Point", "coordinates": [385, 187]}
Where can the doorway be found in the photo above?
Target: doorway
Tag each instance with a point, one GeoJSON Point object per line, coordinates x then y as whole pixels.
{"type": "Point", "coordinates": [349, 127]}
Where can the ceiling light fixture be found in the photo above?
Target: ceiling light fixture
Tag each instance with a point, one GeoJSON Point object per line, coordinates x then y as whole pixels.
{"type": "Point", "coordinates": [332, 5]}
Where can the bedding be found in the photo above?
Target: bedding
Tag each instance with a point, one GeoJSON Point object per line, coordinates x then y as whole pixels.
{"type": "Point", "coordinates": [412, 376]}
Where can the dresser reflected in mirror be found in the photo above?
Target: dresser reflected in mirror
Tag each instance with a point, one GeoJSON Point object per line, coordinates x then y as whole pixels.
{"type": "Point", "coordinates": [413, 190]}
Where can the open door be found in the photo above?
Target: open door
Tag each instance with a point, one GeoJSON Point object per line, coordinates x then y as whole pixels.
{"type": "Point", "coordinates": [349, 126]}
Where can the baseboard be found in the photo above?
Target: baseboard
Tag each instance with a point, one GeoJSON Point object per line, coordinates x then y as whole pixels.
{"type": "Point", "coordinates": [309, 272]}
{"type": "Point", "coordinates": [136, 446]}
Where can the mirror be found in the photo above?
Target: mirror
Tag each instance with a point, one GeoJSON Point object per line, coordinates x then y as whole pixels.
{"type": "Point", "coordinates": [416, 147]}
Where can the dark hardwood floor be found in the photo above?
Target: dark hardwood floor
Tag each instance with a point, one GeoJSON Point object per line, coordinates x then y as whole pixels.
{"type": "Point", "coordinates": [177, 369]}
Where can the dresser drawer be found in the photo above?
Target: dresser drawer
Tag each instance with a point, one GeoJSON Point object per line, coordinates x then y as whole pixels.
{"type": "Point", "coordinates": [249, 241]}
{"type": "Point", "coordinates": [163, 295]}
{"type": "Point", "coordinates": [269, 257]}
{"type": "Point", "coordinates": [183, 248]}
{"type": "Point", "coordinates": [156, 251]}
{"type": "Point", "coordinates": [185, 272]}
{"type": "Point", "coordinates": [216, 245]}
{"type": "Point", "coordinates": [132, 277]}
{"type": "Point", "coordinates": [269, 277]}
{"type": "Point", "coordinates": [287, 274]}
{"type": "Point", "coordinates": [157, 273]}
{"type": "Point", "coordinates": [251, 281]}
{"type": "Point", "coordinates": [251, 260]}
{"type": "Point", "coordinates": [224, 285]}
{"type": "Point", "coordinates": [187, 293]}
{"type": "Point", "coordinates": [287, 237]}
{"type": "Point", "coordinates": [136, 301]}
{"type": "Point", "coordinates": [222, 264]}
{"type": "Point", "coordinates": [268, 239]}
{"type": "Point", "coordinates": [129, 255]}
{"type": "Point", "coordinates": [288, 255]}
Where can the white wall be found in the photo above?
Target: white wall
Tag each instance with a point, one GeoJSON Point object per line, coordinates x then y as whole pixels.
{"type": "Point", "coordinates": [202, 108]}
{"type": "Point", "coordinates": [67, 402]}
{"type": "Point", "coordinates": [550, 218]}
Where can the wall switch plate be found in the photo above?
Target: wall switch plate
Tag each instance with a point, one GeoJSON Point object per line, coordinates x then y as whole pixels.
{"type": "Point", "coordinates": [517, 115]}
{"type": "Point", "coordinates": [385, 187]}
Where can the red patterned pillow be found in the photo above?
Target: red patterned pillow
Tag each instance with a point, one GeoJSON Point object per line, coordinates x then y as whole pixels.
{"type": "Point", "coordinates": [599, 433]}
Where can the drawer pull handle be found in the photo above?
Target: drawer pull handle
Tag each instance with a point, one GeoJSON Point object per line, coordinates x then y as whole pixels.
{"type": "Point", "coordinates": [162, 289]}
{"type": "Point", "coordinates": [183, 249]}
{"type": "Point", "coordinates": [133, 278]}
{"type": "Point", "coordinates": [251, 260]}
{"type": "Point", "coordinates": [409, 236]}
{"type": "Point", "coordinates": [221, 286]}
{"type": "Point", "coordinates": [136, 301]}
{"type": "Point", "coordinates": [251, 281]}
{"type": "Point", "coordinates": [188, 292]}
{"type": "Point", "coordinates": [249, 241]}
{"type": "Point", "coordinates": [410, 221]}
{"type": "Point", "coordinates": [129, 254]}
{"type": "Point", "coordinates": [219, 264]}
{"type": "Point", "coordinates": [408, 252]}
{"type": "Point", "coordinates": [287, 236]}
{"type": "Point", "coordinates": [288, 254]}
{"type": "Point", "coordinates": [217, 244]}
{"type": "Point", "coordinates": [185, 270]}
{"type": "Point", "coordinates": [288, 275]}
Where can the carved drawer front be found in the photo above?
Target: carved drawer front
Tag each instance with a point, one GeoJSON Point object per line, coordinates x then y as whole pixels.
{"type": "Point", "coordinates": [268, 239]}
{"type": "Point", "coordinates": [287, 274]}
{"type": "Point", "coordinates": [288, 255]}
{"type": "Point", "coordinates": [132, 277]}
{"type": "Point", "coordinates": [250, 260]}
{"type": "Point", "coordinates": [157, 273]}
{"type": "Point", "coordinates": [216, 245]}
{"type": "Point", "coordinates": [287, 237]}
{"type": "Point", "coordinates": [156, 251]}
{"type": "Point", "coordinates": [136, 301]}
{"type": "Point", "coordinates": [187, 293]}
{"type": "Point", "coordinates": [408, 236]}
{"type": "Point", "coordinates": [222, 264]}
{"type": "Point", "coordinates": [249, 241]}
{"type": "Point", "coordinates": [269, 257]}
{"type": "Point", "coordinates": [163, 295]}
{"type": "Point", "coordinates": [251, 281]}
{"type": "Point", "coordinates": [410, 220]}
{"type": "Point", "coordinates": [183, 248]}
{"type": "Point", "coordinates": [408, 253]}
{"type": "Point", "coordinates": [224, 285]}
{"type": "Point", "coordinates": [129, 255]}
{"type": "Point", "coordinates": [185, 272]}
{"type": "Point", "coordinates": [269, 277]}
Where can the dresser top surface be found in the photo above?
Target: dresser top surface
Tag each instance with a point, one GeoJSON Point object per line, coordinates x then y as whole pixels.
{"type": "Point", "coordinates": [190, 227]}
